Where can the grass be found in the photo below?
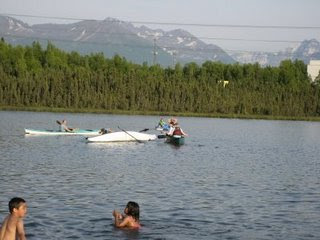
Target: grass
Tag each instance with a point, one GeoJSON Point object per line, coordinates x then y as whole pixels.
{"type": "Point", "coordinates": [156, 113]}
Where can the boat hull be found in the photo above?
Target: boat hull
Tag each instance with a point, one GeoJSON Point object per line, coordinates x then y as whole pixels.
{"type": "Point", "coordinates": [86, 132]}
{"type": "Point", "coordinates": [127, 136]}
{"type": "Point", "coordinates": [175, 140]}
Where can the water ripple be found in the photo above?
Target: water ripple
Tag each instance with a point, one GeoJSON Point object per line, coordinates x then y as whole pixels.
{"type": "Point", "coordinates": [233, 179]}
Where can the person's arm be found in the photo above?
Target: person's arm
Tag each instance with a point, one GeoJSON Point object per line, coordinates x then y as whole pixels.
{"type": "Point", "coordinates": [117, 217]}
{"type": "Point", "coordinates": [170, 131]}
{"type": "Point", "coordinates": [121, 224]}
{"type": "Point", "coordinates": [2, 230]}
{"type": "Point", "coordinates": [67, 129]}
{"type": "Point", "coordinates": [20, 230]}
{"type": "Point", "coordinates": [183, 133]}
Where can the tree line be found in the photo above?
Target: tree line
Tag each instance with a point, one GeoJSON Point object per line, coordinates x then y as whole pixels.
{"type": "Point", "coordinates": [34, 76]}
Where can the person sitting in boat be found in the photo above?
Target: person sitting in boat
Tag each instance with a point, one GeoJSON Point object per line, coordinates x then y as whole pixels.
{"type": "Point", "coordinates": [163, 125]}
{"type": "Point", "coordinates": [105, 131]}
{"type": "Point", "coordinates": [172, 121]}
{"type": "Point", "coordinates": [161, 122]}
{"type": "Point", "coordinates": [64, 127]}
{"type": "Point", "coordinates": [176, 130]}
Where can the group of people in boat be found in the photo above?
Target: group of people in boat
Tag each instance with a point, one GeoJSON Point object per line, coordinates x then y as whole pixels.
{"type": "Point", "coordinates": [171, 127]}
{"type": "Point", "coordinates": [12, 227]}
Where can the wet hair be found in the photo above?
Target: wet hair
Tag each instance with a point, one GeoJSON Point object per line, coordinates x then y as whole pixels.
{"type": "Point", "coordinates": [15, 203]}
{"type": "Point", "coordinates": [133, 210]}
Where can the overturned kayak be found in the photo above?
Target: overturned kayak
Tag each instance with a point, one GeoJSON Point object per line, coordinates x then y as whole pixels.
{"type": "Point", "coordinates": [175, 139]}
{"type": "Point", "coordinates": [57, 132]}
{"type": "Point", "coordinates": [123, 136]}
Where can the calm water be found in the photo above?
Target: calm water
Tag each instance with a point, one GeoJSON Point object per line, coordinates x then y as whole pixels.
{"type": "Point", "coordinates": [233, 179]}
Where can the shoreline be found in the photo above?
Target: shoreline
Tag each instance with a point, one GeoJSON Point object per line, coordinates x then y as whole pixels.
{"type": "Point", "coordinates": [157, 113]}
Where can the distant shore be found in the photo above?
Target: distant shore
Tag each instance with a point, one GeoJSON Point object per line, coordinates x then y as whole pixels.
{"type": "Point", "coordinates": [184, 114]}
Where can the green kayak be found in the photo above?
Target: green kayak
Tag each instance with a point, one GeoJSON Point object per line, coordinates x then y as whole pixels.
{"type": "Point", "coordinates": [175, 139]}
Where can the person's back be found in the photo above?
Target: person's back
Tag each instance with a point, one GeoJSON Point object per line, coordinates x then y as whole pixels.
{"type": "Point", "coordinates": [3, 227]}
{"type": "Point", "coordinates": [9, 228]}
{"type": "Point", "coordinates": [177, 130]}
{"type": "Point", "coordinates": [12, 226]}
{"type": "Point", "coordinates": [132, 223]}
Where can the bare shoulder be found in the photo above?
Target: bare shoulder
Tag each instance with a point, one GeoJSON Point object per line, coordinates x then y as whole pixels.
{"type": "Point", "coordinates": [11, 225]}
{"type": "Point", "coordinates": [20, 222]}
{"type": "Point", "coordinates": [12, 220]}
{"type": "Point", "coordinates": [4, 227]}
{"type": "Point", "coordinates": [4, 223]}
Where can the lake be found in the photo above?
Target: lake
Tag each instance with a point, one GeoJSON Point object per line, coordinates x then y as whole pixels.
{"type": "Point", "coordinates": [233, 179]}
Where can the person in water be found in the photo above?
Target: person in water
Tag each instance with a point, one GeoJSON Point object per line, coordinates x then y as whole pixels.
{"type": "Point", "coordinates": [64, 127]}
{"type": "Point", "coordinates": [130, 218]}
{"type": "Point", "coordinates": [176, 130]}
{"type": "Point", "coordinates": [12, 227]}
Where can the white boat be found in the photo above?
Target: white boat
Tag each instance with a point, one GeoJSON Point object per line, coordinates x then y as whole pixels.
{"type": "Point", "coordinates": [123, 136]}
{"type": "Point", "coordinates": [87, 132]}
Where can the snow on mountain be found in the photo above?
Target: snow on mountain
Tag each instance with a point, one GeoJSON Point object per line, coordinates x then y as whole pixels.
{"type": "Point", "coordinates": [305, 51]}
{"type": "Point", "coordinates": [184, 46]}
{"type": "Point", "coordinates": [180, 40]}
{"type": "Point", "coordinates": [191, 44]}
{"type": "Point", "coordinates": [11, 25]}
{"type": "Point", "coordinates": [112, 36]}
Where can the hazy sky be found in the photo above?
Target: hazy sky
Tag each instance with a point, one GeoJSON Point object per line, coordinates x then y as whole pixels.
{"type": "Point", "coordinates": [294, 13]}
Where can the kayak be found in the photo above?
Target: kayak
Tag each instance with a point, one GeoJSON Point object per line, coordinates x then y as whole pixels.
{"type": "Point", "coordinates": [57, 132]}
{"type": "Point", "coordinates": [175, 139]}
{"type": "Point", "coordinates": [123, 136]}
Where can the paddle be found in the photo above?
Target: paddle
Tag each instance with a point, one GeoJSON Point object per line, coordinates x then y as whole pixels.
{"type": "Point", "coordinates": [130, 135]}
{"type": "Point", "coordinates": [144, 130]}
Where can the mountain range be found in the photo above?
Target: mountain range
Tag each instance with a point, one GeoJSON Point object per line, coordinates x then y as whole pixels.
{"type": "Point", "coordinates": [141, 44]}
{"type": "Point", "coordinates": [305, 51]}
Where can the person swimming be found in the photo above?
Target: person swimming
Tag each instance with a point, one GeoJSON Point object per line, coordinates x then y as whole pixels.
{"type": "Point", "coordinates": [130, 218]}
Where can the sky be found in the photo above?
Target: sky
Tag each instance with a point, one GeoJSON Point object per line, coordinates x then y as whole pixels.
{"type": "Point", "coordinates": [215, 20]}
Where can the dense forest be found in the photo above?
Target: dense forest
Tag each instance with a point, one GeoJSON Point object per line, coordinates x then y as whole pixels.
{"type": "Point", "coordinates": [32, 76]}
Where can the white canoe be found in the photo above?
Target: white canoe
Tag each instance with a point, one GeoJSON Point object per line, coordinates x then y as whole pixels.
{"type": "Point", "coordinates": [127, 136]}
{"type": "Point", "coordinates": [87, 132]}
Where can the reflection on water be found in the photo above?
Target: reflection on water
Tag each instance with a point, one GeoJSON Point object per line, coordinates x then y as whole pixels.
{"type": "Point", "coordinates": [233, 179]}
